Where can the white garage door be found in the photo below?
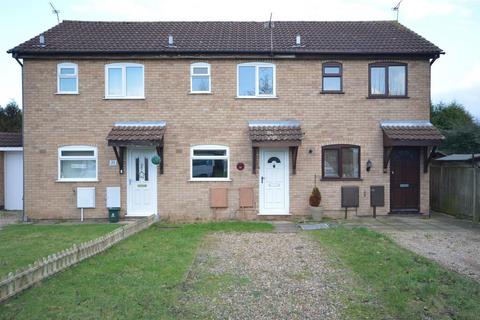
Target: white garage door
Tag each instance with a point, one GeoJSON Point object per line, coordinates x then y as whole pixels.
{"type": "Point", "coordinates": [13, 180]}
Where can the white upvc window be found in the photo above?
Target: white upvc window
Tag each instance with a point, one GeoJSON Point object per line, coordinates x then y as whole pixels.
{"type": "Point", "coordinates": [200, 78]}
{"type": "Point", "coordinates": [77, 163]}
{"type": "Point", "coordinates": [124, 81]}
{"type": "Point", "coordinates": [209, 163]}
{"type": "Point", "coordinates": [67, 78]}
{"type": "Point", "coordinates": [256, 80]}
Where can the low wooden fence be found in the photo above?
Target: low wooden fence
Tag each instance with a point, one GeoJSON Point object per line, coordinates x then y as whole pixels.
{"type": "Point", "coordinates": [455, 189]}
{"type": "Point", "coordinates": [22, 279]}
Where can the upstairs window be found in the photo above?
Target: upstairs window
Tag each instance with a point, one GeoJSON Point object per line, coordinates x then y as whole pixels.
{"type": "Point", "coordinates": [209, 163]}
{"type": "Point", "coordinates": [341, 162]}
{"type": "Point", "coordinates": [388, 80]}
{"type": "Point", "coordinates": [67, 78]}
{"type": "Point", "coordinates": [332, 77]}
{"type": "Point", "coordinates": [77, 163]}
{"type": "Point", "coordinates": [256, 80]}
{"type": "Point", "coordinates": [200, 80]}
{"type": "Point", "coordinates": [124, 81]}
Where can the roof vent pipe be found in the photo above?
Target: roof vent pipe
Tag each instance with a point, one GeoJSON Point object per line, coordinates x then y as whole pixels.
{"type": "Point", "coordinates": [41, 40]}
{"type": "Point", "coordinates": [298, 40]}
{"type": "Point", "coordinates": [170, 40]}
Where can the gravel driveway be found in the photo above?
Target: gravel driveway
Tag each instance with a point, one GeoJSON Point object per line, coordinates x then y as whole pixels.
{"type": "Point", "coordinates": [453, 243]}
{"type": "Point", "coordinates": [263, 276]}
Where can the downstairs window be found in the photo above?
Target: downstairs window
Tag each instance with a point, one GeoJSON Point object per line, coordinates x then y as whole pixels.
{"type": "Point", "coordinates": [209, 163]}
{"type": "Point", "coordinates": [77, 163]}
{"type": "Point", "coordinates": [341, 162]}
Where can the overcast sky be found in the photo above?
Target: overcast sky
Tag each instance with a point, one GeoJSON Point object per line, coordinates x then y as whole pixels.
{"type": "Point", "coordinates": [453, 25]}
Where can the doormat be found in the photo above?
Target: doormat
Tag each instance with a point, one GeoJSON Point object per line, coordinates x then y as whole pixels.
{"type": "Point", "coordinates": [317, 226]}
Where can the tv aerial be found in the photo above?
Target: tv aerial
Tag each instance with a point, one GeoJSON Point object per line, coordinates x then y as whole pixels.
{"type": "Point", "coordinates": [397, 8]}
{"type": "Point", "coordinates": [55, 11]}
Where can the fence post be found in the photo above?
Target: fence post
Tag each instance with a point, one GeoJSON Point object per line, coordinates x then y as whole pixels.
{"type": "Point", "coordinates": [475, 216]}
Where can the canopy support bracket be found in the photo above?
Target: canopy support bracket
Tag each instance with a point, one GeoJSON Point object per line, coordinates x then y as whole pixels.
{"type": "Point", "coordinates": [387, 152]}
{"type": "Point", "coordinates": [119, 154]}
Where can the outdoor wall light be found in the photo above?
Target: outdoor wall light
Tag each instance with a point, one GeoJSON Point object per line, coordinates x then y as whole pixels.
{"type": "Point", "coordinates": [369, 165]}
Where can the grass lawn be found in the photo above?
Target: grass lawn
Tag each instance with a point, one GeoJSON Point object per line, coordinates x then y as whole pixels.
{"type": "Point", "coordinates": [22, 244]}
{"type": "Point", "coordinates": [139, 278]}
{"type": "Point", "coordinates": [396, 283]}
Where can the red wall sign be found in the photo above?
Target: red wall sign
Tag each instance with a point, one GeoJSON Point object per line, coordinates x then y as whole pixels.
{"type": "Point", "coordinates": [240, 166]}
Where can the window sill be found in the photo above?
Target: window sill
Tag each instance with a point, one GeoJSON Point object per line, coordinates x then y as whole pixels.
{"type": "Point", "coordinates": [257, 97]}
{"type": "Point", "coordinates": [341, 179]}
{"type": "Point", "coordinates": [388, 97]}
{"type": "Point", "coordinates": [66, 93]}
{"type": "Point", "coordinates": [77, 181]}
{"type": "Point", "coordinates": [210, 180]}
{"type": "Point", "coordinates": [332, 92]}
{"type": "Point", "coordinates": [200, 93]}
{"type": "Point", "coordinates": [124, 98]}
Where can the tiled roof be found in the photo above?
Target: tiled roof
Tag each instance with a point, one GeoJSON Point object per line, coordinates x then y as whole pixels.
{"type": "Point", "coordinates": [10, 139]}
{"type": "Point", "coordinates": [411, 133]}
{"type": "Point", "coordinates": [275, 131]}
{"type": "Point", "coordinates": [317, 37]}
{"type": "Point", "coordinates": [136, 134]}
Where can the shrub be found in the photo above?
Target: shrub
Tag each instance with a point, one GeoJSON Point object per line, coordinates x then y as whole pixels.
{"type": "Point", "coordinates": [315, 197]}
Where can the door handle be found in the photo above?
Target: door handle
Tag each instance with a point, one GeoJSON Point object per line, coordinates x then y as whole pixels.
{"type": "Point", "coordinates": [262, 179]}
{"type": "Point", "coordinates": [129, 182]}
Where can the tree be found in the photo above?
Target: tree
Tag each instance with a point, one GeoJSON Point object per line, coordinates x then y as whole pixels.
{"type": "Point", "coordinates": [462, 139]}
{"type": "Point", "coordinates": [461, 130]}
{"type": "Point", "coordinates": [11, 118]}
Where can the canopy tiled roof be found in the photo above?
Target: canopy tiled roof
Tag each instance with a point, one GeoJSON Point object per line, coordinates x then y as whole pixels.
{"type": "Point", "coordinates": [10, 139]}
{"type": "Point", "coordinates": [410, 133]}
{"type": "Point", "coordinates": [234, 37]}
{"type": "Point", "coordinates": [275, 131]}
{"type": "Point", "coordinates": [136, 133]}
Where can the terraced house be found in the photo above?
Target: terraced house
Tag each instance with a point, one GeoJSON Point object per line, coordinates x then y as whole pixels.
{"type": "Point", "coordinates": [202, 120]}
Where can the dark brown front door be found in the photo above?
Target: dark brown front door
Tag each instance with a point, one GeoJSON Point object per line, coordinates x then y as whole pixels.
{"type": "Point", "coordinates": [405, 180]}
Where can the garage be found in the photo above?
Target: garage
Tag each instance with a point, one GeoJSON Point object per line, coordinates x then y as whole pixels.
{"type": "Point", "coordinates": [11, 171]}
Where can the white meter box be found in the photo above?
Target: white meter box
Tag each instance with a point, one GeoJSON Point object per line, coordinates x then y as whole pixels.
{"type": "Point", "coordinates": [86, 197]}
{"type": "Point", "coordinates": [113, 197]}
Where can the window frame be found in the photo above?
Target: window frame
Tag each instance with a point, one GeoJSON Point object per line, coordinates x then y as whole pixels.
{"type": "Point", "coordinates": [386, 66]}
{"type": "Point", "coordinates": [338, 148]}
{"type": "Point", "coordinates": [123, 66]}
{"type": "Point", "coordinates": [77, 148]}
{"type": "Point", "coordinates": [332, 75]}
{"type": "Point", "coordinates": [257, 66]}
{"type": "Point", "coordinates": [67, 76]}
{"type": "Point", "coordinates": [209, 147]}
{"type": "Point", "coordinates": [192, 76]}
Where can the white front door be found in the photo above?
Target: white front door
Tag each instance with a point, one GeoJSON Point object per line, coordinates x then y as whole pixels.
{"type": "Point", "coordinates": [274, 188]}
{"type": "Point", "coordinates": [13, 165]}
{"type": "Point", "coordinates": [142, 182]}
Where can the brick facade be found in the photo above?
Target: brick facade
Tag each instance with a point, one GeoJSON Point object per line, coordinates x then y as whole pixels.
{"type": "Point", "coordinates": [53, 120]}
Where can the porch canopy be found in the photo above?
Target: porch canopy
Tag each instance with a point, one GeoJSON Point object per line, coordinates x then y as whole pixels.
{"type": "Point", "coordinates": [124, 134]}
{"type": "Point", "coordinates": [271, 133]}
{"type": "Point", "coordinates": [410, 133]}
